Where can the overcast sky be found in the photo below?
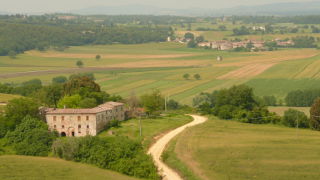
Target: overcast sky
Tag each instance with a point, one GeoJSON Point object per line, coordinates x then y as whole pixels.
{"type": "Point", "coordinates": [32, 6]}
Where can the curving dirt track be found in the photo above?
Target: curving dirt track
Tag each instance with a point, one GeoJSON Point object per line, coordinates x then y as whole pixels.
{"type": "Point", "coordinates": [157, 148]}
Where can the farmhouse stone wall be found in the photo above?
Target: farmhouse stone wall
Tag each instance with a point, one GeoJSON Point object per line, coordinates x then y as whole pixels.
{"type": "Point", "coordinates": [83, 122]}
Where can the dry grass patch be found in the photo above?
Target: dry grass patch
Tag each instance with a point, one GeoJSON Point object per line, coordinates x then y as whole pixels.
{"type": "Point", "coordinates": [160, 63]}
{"type": "Point", "coordinates": [54, 54]}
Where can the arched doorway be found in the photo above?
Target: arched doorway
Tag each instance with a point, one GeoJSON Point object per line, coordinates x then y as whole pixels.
{"type": "Point", "coordinates": [72, 133]}
{"type": "Point", "coordinates": [63, 134]}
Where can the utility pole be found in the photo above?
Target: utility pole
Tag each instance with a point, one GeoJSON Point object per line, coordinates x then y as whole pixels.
{"type": "Point", "coordinates": [165, 103]}
{"type": "Point", "coordinates": [140, 128]}
{"type": "Point", "coordinates": [297, 128]}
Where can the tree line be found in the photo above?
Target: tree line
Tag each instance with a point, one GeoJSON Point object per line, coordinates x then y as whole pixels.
{"type": "Point", "coordinates": [20, 37]}
{"type": "Point", "coordinates": [302, 98]}
{"type": "Point", "coordinates": [239, 103]}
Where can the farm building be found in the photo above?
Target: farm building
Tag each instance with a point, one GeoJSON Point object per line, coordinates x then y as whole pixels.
{"type": "Point", "coordinates": [82, 122]}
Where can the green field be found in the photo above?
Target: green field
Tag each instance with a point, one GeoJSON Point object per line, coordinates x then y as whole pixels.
{"type": "Point", "coordinates": [151, 128]}
{"type": "Point", "coordinates": [124, 69]}
{"type": "Point", "coordinates": [5, 98]}
{"type": "Point", "coordinates": [221, 149]}
{"type": "Point", "coordinates": [23, 167]}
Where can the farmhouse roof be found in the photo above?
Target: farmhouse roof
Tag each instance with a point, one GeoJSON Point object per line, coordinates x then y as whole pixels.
{"type": "Point", "coordinates": [103, 107]}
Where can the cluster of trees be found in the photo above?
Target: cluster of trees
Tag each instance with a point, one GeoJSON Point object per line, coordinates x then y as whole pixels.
{"type": "Point", "coordinates": [153, 104]}
{"type": "Point", "coordinates": [31, 137]}
{"type": "Point", "coordinates": [195, 76]}
{"type": "Point", "coordinates": [192, 40]}
{"type": "Point", "coordinates": [304, 42]}
{"type": "Point", "coordinates": [19, 37]}
{"type": "Point", "coordinates": [115, 153]}
{"type": "Point", "coordinates": [302, 98]}
{"type": "Point", "coordinates": [237, 102]}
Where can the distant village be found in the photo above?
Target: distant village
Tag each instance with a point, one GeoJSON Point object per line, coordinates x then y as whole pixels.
{"type": "Point", "coordinates": [225, 45]}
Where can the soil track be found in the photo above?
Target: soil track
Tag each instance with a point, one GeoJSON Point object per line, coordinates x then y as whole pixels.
{"type": "Point", "coordinates": [156, 149]}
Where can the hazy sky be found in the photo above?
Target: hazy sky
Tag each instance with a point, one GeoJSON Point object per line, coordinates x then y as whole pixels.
{"type": "Point", "coordinates": [28, 6]}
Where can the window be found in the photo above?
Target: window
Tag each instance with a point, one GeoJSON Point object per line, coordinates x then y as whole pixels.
{"type": "Point", "coordinates": [62, 126]}
{"type": "Point", "coordinates": [79, 118]}
{"type": "Point", "coordinates": [87, 118]}
{"type": "Point", "coordinates": [79, 126]}
{"type": "Point", "coordinates": [54, 118]}
{"type": "Point", "coordinates": [88, 126]}
{"type": "Point", "coordinates": [62, 118]}
{"type": "Point", "coordinates": [54, 126]}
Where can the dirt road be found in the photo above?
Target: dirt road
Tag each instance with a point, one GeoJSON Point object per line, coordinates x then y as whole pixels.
{"type": "Point", "coordinates": [156, 149]}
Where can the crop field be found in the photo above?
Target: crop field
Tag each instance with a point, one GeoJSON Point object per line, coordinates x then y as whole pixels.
{"type": "Point", "coordinates": [221, 149]}
{"type": "Point", "coordinates": [138, 69]}
{"type": "Point", "coordinates": [27, 167]}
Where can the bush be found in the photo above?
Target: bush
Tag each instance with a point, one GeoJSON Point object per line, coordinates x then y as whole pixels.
{"type": "Point", "coordinates": [31, 138]}
{"type": "Point", "coordinates": [116, 153]}
{"type": "Point", "coordinates": [292, 118]}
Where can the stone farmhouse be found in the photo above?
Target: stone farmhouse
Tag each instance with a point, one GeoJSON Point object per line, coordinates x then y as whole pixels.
{"type": "Point", "coordinates": [82, 122]}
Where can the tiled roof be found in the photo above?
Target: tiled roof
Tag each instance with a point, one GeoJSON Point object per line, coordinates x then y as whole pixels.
{"type": "Point", "coordinates": [98, 109]}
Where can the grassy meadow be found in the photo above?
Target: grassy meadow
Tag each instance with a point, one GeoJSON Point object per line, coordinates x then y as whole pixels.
{"type": "Point", "coordinates": [281, 109]}
{"type": "Point", "coordinates": [151, 128]}
{"type": "Point", "coordinates": [221, 149]}
{"type": "Point", "coordinates": [127, 69]}
{"type": "Point", "coordinates": [27, 167]}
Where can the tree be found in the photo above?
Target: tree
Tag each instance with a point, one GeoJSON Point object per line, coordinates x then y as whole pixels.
{"type": "Point", "coordinates": [189, 35]}
{"type": "Point", "coordinates": [98, 57]}
{"type": "Point", "coordinates": [12, 54]}
{"type": "Point", "coordinates": [31, 137]}
{"type": "Point", "coordinates": [315, 115]}
{"type": "Point", "coordinates": [173, 105]}
{"type": "Point", "coordinates": [292, 118]}
{"type": "Point", "coordinates": [250, 45]}
{"type": "Point", "coordinates": [269, 100]}
{"type": "Point", "coordinates": [199, 39]}
{"type": "Point", "coordinates": [79, 84]}
{"type": "Point", "coordinates": [197, 76]}
{"type": "Point", "coordinates": [18, 108]}
{"type": "Point", "coordinates": [222, 28]}
{"type": "Point", "coordinates": [153, 103]}
{"type": "Point", "coordinates": [79, 63]}
{"type": "Point", "coordinates": [192, 44]}
{"type": "Point", "coordinates": [50, 95]}
{"type": "Point", "coordinates": [59, 79]}
{"type": "Point", "coordinates": [186, 76]}
{"type": "Point", "coordinates": [70, 101]}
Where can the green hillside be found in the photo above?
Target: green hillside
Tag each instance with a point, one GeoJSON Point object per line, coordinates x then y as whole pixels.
{"type": "Point", "coordinates": [23, 167]}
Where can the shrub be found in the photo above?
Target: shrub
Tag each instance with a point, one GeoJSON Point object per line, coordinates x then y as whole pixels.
{"type": "Point", "coordinates": [116, 153]}
{"type": "Point", "coordinates": [292, 118]}
{"type": "Point", "coordinates": [31, 138]}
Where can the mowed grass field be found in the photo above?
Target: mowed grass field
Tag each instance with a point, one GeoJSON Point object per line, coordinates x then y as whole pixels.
{"type": "Point", "coordinates": [36, 168]}
{"type": "Point", "coordinates": [221, 149]}
{"type": "Point", "coordinates": [138, 69]}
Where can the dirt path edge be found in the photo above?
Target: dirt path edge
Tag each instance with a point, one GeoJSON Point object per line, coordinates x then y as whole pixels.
{"type": "Point", "coordinates": [158, 147]}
